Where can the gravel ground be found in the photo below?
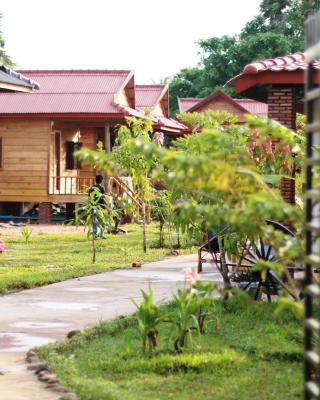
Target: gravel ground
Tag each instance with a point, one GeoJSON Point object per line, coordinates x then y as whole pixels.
{"type": "Point", "coordinates": [7, 230]}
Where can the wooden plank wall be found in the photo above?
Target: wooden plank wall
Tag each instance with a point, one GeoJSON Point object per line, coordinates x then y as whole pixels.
{"type": "Point", "coordinates": [88, 138]}
{"type": "Point", "coordinates": [24, 173]}
{"type": "Point", "coordinates": [158, 110]}
{"type": "Point", "coordinates": [222, 105]}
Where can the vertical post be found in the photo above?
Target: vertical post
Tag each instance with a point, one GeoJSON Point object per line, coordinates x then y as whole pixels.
{"type": "Point", "coordinates": [282, 108]}
{"type": "Point", "coordinates": [144, 226]}
{"type": "Point", "coordinates": [107, 138]}
{"type": "Point", "coordinates": [70, 211]}
{"type": "Point", "coordinates": [44, 213]}
{"type": "Point", "coordinates": [93, 237]}
{"type": "Point", "coordinates": [108, 149]}
{"type": "Point", "coordinates": [312, 217]}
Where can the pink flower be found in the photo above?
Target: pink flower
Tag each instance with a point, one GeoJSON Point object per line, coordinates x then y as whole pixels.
{"type": "Point", "coordinates": [191, 275]}
{"type": "Point", "coordinates": [158, 137]}
{"type": "Point", "coordinates": [1, 246]}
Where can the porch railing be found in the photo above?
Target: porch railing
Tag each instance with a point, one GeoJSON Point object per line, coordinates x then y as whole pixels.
{"type": "Point", "coordinates": [117, 185]}
{"type": "Point", "coordinates": [66, 185]}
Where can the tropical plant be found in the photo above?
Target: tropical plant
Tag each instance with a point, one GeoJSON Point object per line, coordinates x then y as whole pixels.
{"type": "Point", "coordinates": [26, 233]}
{"type": "Point", "coordinates": [163, 210]}
{"type": "Point", "coordinates": [184, 317]}
{"type": "Point", "coordinates": [205, 298]}
{"type": "Point", "coordinates": [94, 215]}
{"type": "Point", "coordinates": [136, 165]}
{"type": "Point", "coordinates": [125, 160]}
{"type": "Point", "coordinates": [224, 183]}
{"type": "Point", "coordinates": [203, 293]}
{"type": "Point", "coordinates": [148, 317]}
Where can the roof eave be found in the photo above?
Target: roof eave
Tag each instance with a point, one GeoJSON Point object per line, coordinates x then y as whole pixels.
{"type": "Point", "coordinates": [64, 115]}
{"type": "Point", "coordinates": [243, 82]}
{"type": "Point", "coordinates": [15, 88]}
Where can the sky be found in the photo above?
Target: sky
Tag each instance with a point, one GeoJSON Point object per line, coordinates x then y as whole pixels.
{"type": "Point", "coordinates": [155, 38]}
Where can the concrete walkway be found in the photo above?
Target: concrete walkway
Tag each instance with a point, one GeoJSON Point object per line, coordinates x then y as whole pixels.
{"type": "Point", "coordinates": [42, 315]}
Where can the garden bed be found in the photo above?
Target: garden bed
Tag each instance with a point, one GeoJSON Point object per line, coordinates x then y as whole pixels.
{"type": "Point", "coordinates": [251, 355]}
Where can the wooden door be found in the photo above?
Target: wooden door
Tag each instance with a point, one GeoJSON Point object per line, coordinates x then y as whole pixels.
{"type": "Point", "coordinates": [88, 138]}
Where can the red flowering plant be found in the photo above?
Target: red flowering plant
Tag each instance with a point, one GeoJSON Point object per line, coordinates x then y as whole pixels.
{"type": "Point", "coordinates": [276, 149]}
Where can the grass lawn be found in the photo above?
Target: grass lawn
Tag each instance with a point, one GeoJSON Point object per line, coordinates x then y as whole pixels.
{"type": "Point", "coordinates": [252, 356]}
{"type": "Point", "coordinates": [49, 258]}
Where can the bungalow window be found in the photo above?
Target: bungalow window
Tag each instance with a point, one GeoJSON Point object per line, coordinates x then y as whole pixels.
{"type": "Point", "coordinates": [1, 153]}
{"type": "Point", "coordinates": [101, 137]}
{"type": "Point", "coordinates": [71, 161]}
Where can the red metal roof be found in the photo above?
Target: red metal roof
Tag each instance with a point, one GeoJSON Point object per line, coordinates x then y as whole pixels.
{"type": "Point", "coordinates": [171, 123]}
{"type": "Point", "coordinates": [148, 96]}
{"type": "Point", "coordinates": [185, 103]}
{"type": "Point", "coordinates": [252, 106]}
{"type": "Point", "coordinates": [81, 92]}
{"type": "Point", "coordinates": [163, 123]}
{"type": "Point", "coordinates": [68, 91]}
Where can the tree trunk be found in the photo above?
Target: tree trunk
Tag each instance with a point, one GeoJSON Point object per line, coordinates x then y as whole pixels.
{"type": "Point", "coordinates": [223, 263]}
{"type": "Point", "coordinates": [144, 228]}
{"type": "Point", "coordinates": [178, 240]}
{"type": "Point", "coordinates": [93, 241]}
{"type": "Point", "coordinates": [170, 237]}
{"type": "Point", "coordinates": [93, 249]}
{"type": "Point", "coordinates": [161, 235]}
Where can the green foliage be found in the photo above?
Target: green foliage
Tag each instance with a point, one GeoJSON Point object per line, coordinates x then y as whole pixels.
{"type": "Point", "coordinates": [26, 233]}
{"type": "Point", "coordinates": [163, 210]}
{"type": "Point", "coordinates": [191, 309]}
{"type": "Point", "coordinates": [148, 319]}
{"type": "Point", "coordinates": [228, 365]}
{"type": "Point", "coordinates": [277, 30]}
{"type": "Point", "coordinates": [136, 165]}
{"type": "Point", "coordinates": [124, 160]}
{"type": "Point", "coordinates": [92, 207]}
{"type": "Point", "coordinates": [221, 183]}
{"type": "Point", "coordinates": [4, 58]}
{"type": "Point", "coordinates": [184, 320]}
{"type": "Point", "coordinates": [206, 305]}
{"type": "Point", "coordinates": [220, 174]}
{"type": "Point", "coordinates": [94, 210]}
{"type": "Point", "coordinates": [286, 304]}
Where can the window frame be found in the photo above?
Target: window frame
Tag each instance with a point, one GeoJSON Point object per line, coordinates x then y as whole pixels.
{"type": "Point", "coordinates": [71, 162]}
{"type": "Point", "coordinates": [1, 153]}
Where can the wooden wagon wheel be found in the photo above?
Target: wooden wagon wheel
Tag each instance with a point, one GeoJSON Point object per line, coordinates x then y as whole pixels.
{"type": "Point", "coordinates": [242, 273]}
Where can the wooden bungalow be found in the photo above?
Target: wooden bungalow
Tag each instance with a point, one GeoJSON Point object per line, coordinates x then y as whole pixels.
{"type": "Point", "coordinates": [41, 130]}
{"type": "Point", "coordinates": [220, 101]}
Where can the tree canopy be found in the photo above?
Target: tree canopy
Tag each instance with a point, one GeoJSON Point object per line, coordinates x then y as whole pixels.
{"type": "Point", "coordinates": [278, 29]}
{"type": "Point", "coordinates": [4, 58]}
